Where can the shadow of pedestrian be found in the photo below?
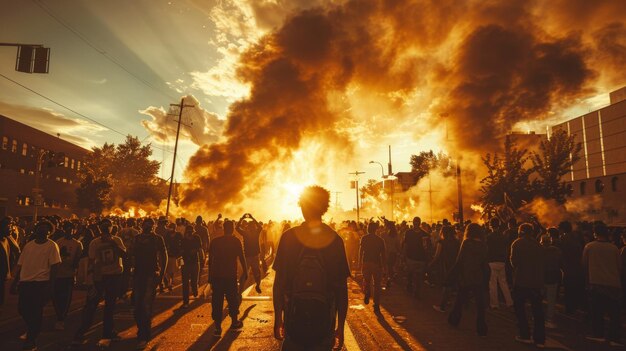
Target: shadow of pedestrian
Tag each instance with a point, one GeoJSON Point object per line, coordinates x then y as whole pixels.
{"type": "Point", "coordinates": [383, 322]}
{"type": "Point", "coordinates": [207, 341]}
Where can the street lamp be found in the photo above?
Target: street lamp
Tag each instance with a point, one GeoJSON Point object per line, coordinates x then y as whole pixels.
{"type": "Point", "coordinates": [382, 169]}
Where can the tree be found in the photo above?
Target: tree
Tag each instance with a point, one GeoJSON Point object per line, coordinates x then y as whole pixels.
{"type": "Point", "coordinates": [92, 194]}
{"type": "Point", "coordinates": [427, 161]}
{"type": "Point", "coordinates": [507, 182]}
{"type": "Point", "coordinates": [554, 160]}
{"type": "Point", "coordinates": [129, 171]}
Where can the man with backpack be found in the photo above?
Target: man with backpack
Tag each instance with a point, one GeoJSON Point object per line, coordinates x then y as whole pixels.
{"type": "Point", "coordinates": [310, 289]}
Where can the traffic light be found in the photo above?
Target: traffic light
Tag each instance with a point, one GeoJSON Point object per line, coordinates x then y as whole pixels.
{"type": "Point", "coordinates": [32, 59]}
{"type": "Point", "coordinates": [25, 57]}
{"type": "Point", "coordinates": [56, 159]}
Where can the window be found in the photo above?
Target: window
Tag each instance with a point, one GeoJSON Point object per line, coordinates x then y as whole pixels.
{"type": "Point", "coordinates": [570, 189]}
{"type": "Point", "coordinates": [599, 186]}
{"type": "Point", "coordinates": [78, 165]}
{"type": "Point", "coordinates": [58, 179]}
{"type": "Point", "coordinates": [20, 200]}
{"type": "Point", "coordinates": [64, 180]}
{"type": "Point", "coordinates": [72, 164]}
{"type": "Point", "coordinates": [614, 184]}
{"type": "Point", "coordinates": [583, 185]}
{"type": "Point", "coordinates": [71, 181]}
{"type": "Point", "coordinates": [31, 173]}
{"type": "Point", "coordinates": [24, 149]}
{"type": "Point", "coordinates": [27, 201]}
{"type": "Point", "coordinates": [67, 162]}
{"type": "Point", "coordinates": [22, 171]}
{"type": "Point", "coordinates": [5, 143]}
{"type": "Point", "coordinates": [14, 146]}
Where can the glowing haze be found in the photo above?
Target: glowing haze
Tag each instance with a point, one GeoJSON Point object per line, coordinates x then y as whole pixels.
{"type": "Point", "coordinates": [328, 82]}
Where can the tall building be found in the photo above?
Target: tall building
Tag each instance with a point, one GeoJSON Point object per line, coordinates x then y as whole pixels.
{"type": "Point", "coordinates": [599, 177]}
{"type": "Point", "coordinates": [22, 147]}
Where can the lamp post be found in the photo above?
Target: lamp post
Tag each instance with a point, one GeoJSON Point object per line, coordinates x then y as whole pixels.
{"type": "Point", "coordinates": [37, 190]}
{"type": "Point", "coordinates": [386, 176]}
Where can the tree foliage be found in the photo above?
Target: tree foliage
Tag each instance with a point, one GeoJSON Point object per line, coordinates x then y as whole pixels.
{"type": "Point", "coordinates": [129, 171]}
{"type": "Point", "coordinates": [554, 160]}
{"type": "Point", "coordinates": [507, 181]}
{"type": "Point", "coordinates": [428, 161]}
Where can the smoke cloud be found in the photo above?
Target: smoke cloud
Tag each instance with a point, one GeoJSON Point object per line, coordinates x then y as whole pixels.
{"type": "Point", "coordinates": [330, 75]}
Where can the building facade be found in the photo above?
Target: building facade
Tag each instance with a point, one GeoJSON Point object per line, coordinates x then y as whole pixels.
{"type": "Point", "coordinates": [21, 148]}
{"type": "Point", "coordinates": [599, 177]}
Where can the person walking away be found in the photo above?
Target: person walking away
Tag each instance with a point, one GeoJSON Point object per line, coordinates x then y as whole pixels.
{"type": "Point", "coordinates": [34, 273]}
{"type": "Point", "coordinates": [622, 254]}
{"type": "Point", "coordinates": [497, 245]}
{"type": "Point", "coordinates": [70, 250]}
{"type": "Point", "coordinates": [193, 255]}
{"type": "Point", "coordinates": [223, 254]}
{"type": "Point", "coordinates": [150, 257]}
{"type": "Point", "coordinates": [527, 260]}
{"type": "Point", "coordinates": [372, 260]}
{"type": "Point", "coordinates": [471, 272]}
{"type": "Point", "coordinates": [392, 250]}
{"type": "Point", "coordinates": [250, 231]}
{"type": "Point", "coordinates": [9, 254]}
{"type": "Point", "coordinates": [127, 234]}
{"type": "Point", "coordinates": [573, 276]}
{"type": "Point", "coordinates": [445, 255]}
{"type": "Point", "coordinates": [310, 289]}
{"type": "Point", "coordinates": [414, 250]}
{"type": "Point", "coordinates": [602, 263]}
{"type": "Point", "coordinates": [203, 232]}
{"type": "Point", "coordinates": [173, 243]}
{"type": "Point", "coordinates": [553, 266]}
{"type": "Point", "coordinates": [105, 259]}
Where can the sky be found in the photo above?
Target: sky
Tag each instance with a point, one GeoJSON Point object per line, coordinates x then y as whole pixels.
{"type": "Point", "coordinates": [122, 63]}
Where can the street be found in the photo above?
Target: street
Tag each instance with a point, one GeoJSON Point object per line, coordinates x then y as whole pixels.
{"type": "Point", "coordinates": [405, 324]}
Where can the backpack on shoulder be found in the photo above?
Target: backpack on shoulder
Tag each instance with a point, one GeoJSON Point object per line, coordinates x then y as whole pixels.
{"type": "Point", "coordinates": [310, 312]}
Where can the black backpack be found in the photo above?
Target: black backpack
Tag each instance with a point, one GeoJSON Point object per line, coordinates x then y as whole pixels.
{"type": "Point", "coordinates": [310, 314]}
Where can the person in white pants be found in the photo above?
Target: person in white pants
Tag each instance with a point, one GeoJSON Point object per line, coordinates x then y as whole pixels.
{"type": "Point", "coordinates": [498, 248]}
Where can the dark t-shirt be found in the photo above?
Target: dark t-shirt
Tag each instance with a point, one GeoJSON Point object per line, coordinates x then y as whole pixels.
{"type": "Point", "coordinates": [372, 248]}
{"type": "Point", "coordinates": [250, 237]}
{"type": "Point", "coordinates": [498, 247]}
{"type": "Point", "coordinates": [146, 252]}
{"type": "Point", "coordinates": [327, 241]}
{"type": "Point", "coordinates": [191, 249]}
{"type": "Point", "coordinates": [173, 242]}
{"type": "Point", "coordinates": [414, 244]}
{"type": "Point", "coordinates": [223, 253]}
{"type": "Point", "coordinates": [203, 233]}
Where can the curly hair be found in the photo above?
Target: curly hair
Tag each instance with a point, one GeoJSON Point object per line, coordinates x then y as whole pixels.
{"type": "Point", "coordinates": [314, 200]}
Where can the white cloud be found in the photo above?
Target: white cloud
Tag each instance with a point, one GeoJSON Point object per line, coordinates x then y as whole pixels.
{"type": "Point", "coordinates": [199, 125]}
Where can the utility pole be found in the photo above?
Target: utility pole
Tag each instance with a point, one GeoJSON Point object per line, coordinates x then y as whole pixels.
{"type": "Point", "coordinates": [356, 186]}
{"type": "Point", "coordinates": [180, 116]}
{"type": "Point", "coordinates": [337, 199]}
{"type": "Point", "coordinates": [390, 173]}
{"type": "Point", "coordinates": [459, 189]}
{"type": "Point", "coordinates": [430, 195]}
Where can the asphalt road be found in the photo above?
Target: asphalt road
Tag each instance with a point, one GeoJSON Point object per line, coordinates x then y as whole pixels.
{"type": "Point", "coordinates": [405, 324]}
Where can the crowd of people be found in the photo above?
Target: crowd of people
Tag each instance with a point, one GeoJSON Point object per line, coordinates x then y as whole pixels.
{"type": "Point", "coordinates": [498, 264]}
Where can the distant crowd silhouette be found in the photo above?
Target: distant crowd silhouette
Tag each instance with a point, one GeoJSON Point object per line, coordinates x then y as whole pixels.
{"type": "Point", "coordinates": [498, 264]}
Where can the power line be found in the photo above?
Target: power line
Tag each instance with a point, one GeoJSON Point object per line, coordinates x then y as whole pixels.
{"type": "Point", "coordinates": [70, 109]}
{"type": "Point", "coordinates": [42, 6]}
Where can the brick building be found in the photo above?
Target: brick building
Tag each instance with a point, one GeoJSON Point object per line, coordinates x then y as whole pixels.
{"type": "Point", "coordinates": [20, 149]}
